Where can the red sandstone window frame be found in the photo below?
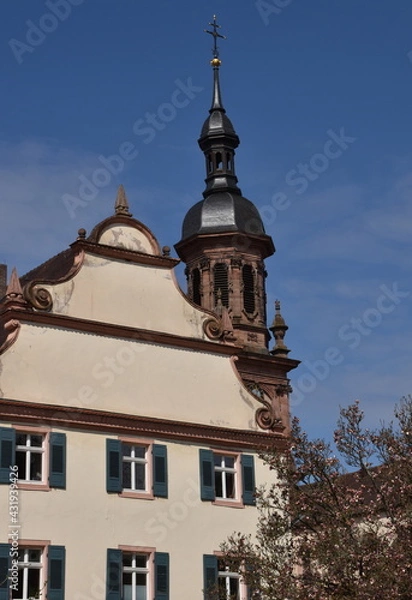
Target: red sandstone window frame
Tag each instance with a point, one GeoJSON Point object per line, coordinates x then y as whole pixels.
{"type": "Point", "coordinates": [243, 589]}
{"type": "Point", "coordinates": [43, 484]}
{"type": "Point", "coordinates": [237, 501]}
{"type": "Point", "coordinates": [147, 494]}
{"type": "Point", "coordinates": [43, 546]}
{"type": "Point", "coordinates": [149, 553]}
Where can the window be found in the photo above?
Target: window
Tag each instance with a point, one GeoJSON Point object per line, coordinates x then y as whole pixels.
{"type": "Point", "coordinates": [221, 285]}
{"type": "Point", "coordinates": [39, 455]}
{"type": "Point", "coordinates": [136, 468]}
{"type": "Point", "coordinates": [227, 478]}
{"type": "Point", "coordinates": [134, 463]}
{"type": "Point", "coordinates": [228, 582]}
{"type": "Point", "coordinates": [30, 574]}
{"type": "Point", "coordinates": [196, 286]}
{"type": "Point", "coordinates": [248, 289]}
{"type": "Point", "coordinates": [30, 455]}
{"type": "Point", "coordinates": [31, 570]}
{"type": "Point", "coordinates": [221, 583]}
{"type": "Point", "coordinates": [137, 574]}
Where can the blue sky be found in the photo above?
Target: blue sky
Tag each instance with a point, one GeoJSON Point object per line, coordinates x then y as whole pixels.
{"type": "Point", "coordinates": [320, 94]}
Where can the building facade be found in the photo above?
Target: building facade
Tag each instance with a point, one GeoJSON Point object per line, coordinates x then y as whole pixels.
{"type": "Point", "coordinates": [131, 413]}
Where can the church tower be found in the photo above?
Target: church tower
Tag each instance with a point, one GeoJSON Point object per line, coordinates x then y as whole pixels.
{"type": "Point", "coordinates": [224, 243]}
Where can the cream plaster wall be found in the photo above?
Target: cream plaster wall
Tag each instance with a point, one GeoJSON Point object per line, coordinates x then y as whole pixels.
{"type": "Point", "coordinates": [87, 520]}
{"type": "Point", "coordinates": [129, 294]}
{"type": "Point", "coordinates": [125, 376]}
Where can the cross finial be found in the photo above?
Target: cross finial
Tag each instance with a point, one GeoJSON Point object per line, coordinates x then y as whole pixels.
{"type": "Point", "coordinates": [215, 36]}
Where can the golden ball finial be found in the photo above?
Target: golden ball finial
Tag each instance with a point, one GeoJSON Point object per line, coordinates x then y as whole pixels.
{"type": "Point", "coordinates": [215, 62]}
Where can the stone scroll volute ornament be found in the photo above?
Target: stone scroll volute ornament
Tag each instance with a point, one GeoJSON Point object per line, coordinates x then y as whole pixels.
{"type": "Point", "coordinates": [267, 416]}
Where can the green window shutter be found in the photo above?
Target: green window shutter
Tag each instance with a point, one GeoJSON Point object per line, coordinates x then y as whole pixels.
{"type": "Point", "coordinates": [161, 560]}
{"type": "Point", "coordinates": [209, 576]}
{"type": "Point", "coordinates": [207, 484]}
{"type": "Point", "coordinates": [5, 550]}
{"type": "Point", "coordinates": [113, 466]}
{"type": "Point", "coordinates": [248, 479]}
{"type": "Point", "coordinates": [55, 577]}
{"type": "Point", "coordinates": [57, 467]}
{"type": "Point", "coordinates": [7, 452]}
{"type": "Point", "coordinates": [160, 470]}
{"type": "Point", "coordinates": [114, 575]}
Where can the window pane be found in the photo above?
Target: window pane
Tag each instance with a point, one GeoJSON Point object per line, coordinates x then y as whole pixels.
{"type": "Point", "coordinates": [35, 466]}
{"type": "Point", "coordinates": [141, 561]}
{"type": "Point", "coordinates": [140, 477]}
{"type": "Point", "coordinates": [234, 587]}
{"type": "Point", "coordinates": [19, 592]}
{"type": "Point", "coordinates": [230, 485]}
{"type": "Point", "coordinates": [126, 450]}
{"type": "Point", "coordinates": [34, 555]}
{"type": "Point", "coordinates": [221, 566]}
{"type": "Point", "coordinates": [127, 559]}
{"type": "Point", "coordinates": [127, 475]}
{"type": "Point", "coordinates": [21, 464]}
{"type": "Point", "coordinates": [217, 460]}
{"type": "Point", "coordinates": [21, 439]}
{"type": "Point", "coordinates": [127, 578]}
{"type": "Point", "coordinates": [139, 451]}
{"type": "Point", "coordinates": [127, 592]}
{"type": "Point", "coordinates": [141, 592]}
{"type": "Point", "coordinates": [229, 462]}
{"type": "Point", "coordinates": [222, 588]}
{"type": "Point", "coordinates": [218, 485]}
{"type": "Point", "coordinates": [36, 440]}
{"type": "Point", "coordinates": [34, 583]}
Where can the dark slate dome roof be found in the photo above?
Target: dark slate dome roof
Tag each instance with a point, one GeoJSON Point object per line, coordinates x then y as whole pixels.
{"type": "Point", "coordinates": [222, 211]}
{"type": "Point", "coordinates": [218, 123]}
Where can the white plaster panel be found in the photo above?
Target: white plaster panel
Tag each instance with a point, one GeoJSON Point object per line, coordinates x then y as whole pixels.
{"type": "Point", "coordinates": [128, 238]}
{"type": "Point", "coordinates": [128, 294]}
{"type": "Point", "coordinates": [56, 366]}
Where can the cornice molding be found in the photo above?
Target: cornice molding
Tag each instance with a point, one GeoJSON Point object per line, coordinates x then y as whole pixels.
{"type": "Point", "coordinates": [106, 422]}
{"type": "Point", "coordinates": [250, 362]}
{"type": "Point", "coordinates": [122, 331]}
{"type": "Point", "coordinates": [133, 256]}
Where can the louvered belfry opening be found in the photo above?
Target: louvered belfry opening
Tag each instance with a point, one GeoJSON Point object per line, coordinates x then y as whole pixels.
{"type": "Point", "coordinates": [220, 276]}
{"type": "Point", "coordinates": [196, 286]}
{"type": "Point", "coordinates": [248, 289]}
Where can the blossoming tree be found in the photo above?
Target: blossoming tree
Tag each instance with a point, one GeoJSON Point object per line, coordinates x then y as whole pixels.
{"type": "Point", "coordinates": [335, 527]}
